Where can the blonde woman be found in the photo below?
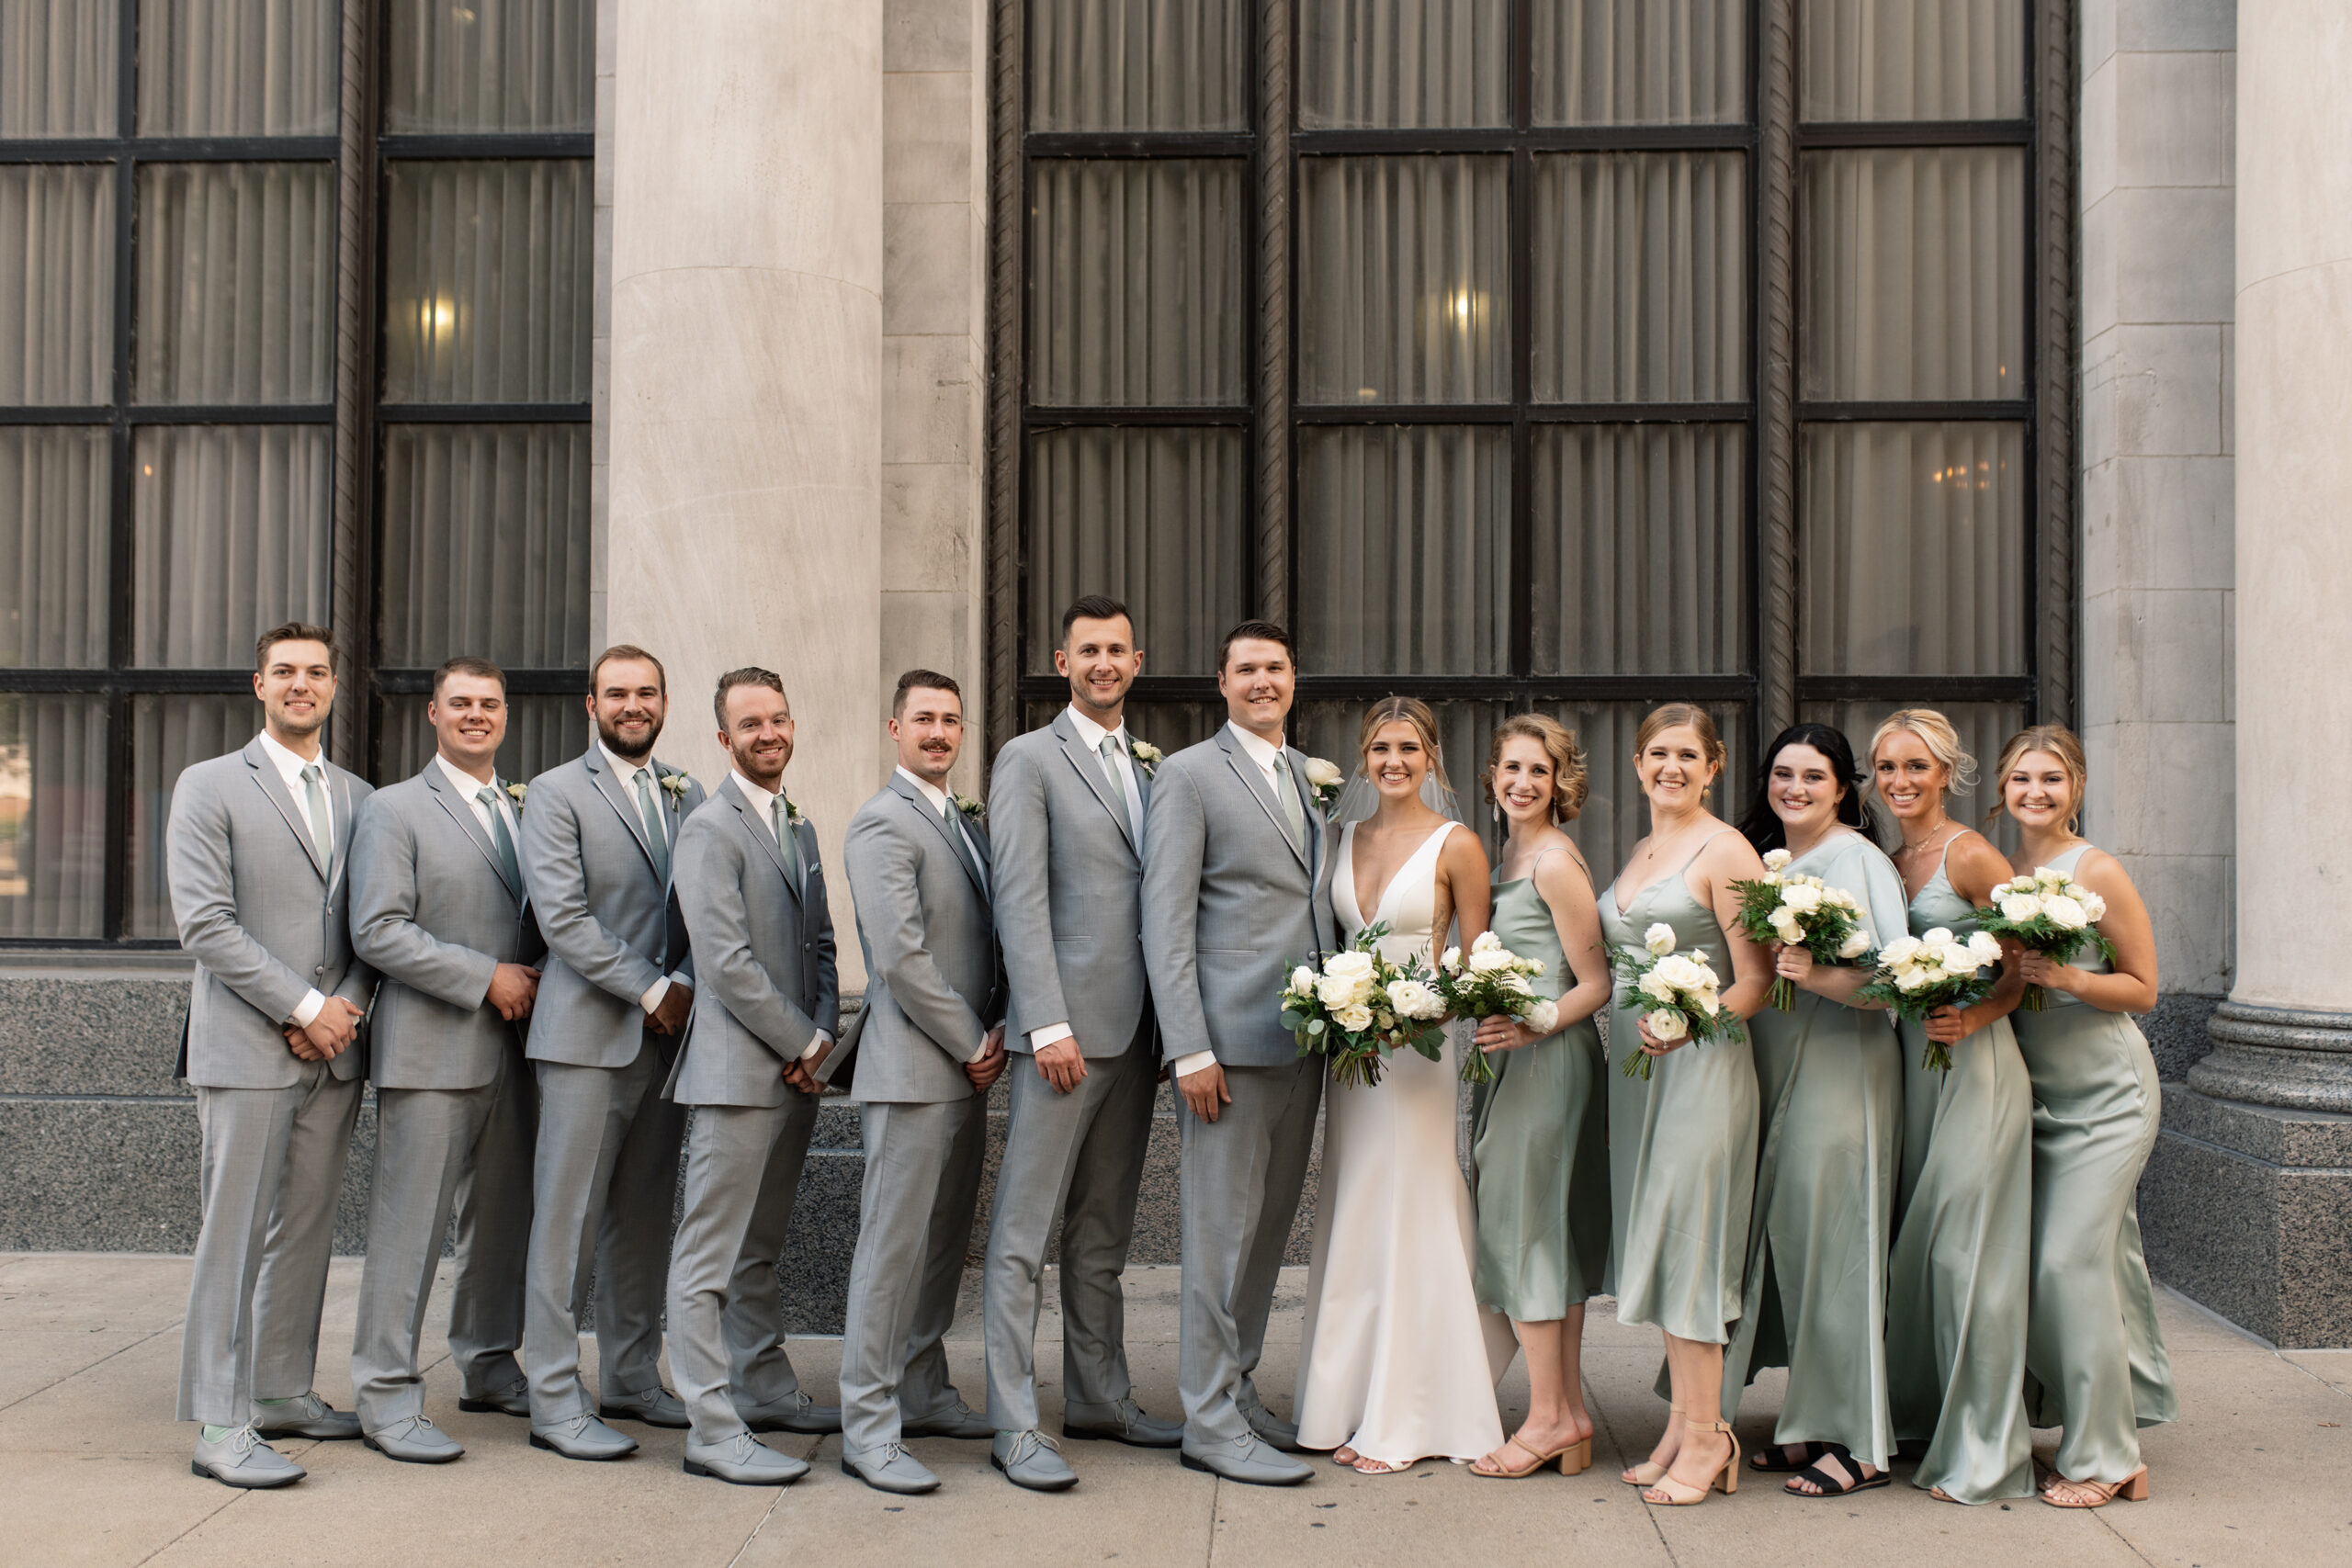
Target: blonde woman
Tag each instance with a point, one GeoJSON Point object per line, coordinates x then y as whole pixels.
{"type": "Point", "coordinates": [2095, 1360]}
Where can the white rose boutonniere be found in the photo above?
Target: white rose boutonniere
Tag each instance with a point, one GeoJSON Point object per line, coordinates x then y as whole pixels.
{"type": "Point", "coordinates": [1324, 778]}
{"type": "Point", "coordinates": [516, 792]}
{"type": "Point", "coordinates": [1147, 756]}
{"type": "Point", "coordinates": [791, 809]}
{"type": "Point", "coordinates": [674, 786]}
{"type": "Point", "coordinates": [973, 810]}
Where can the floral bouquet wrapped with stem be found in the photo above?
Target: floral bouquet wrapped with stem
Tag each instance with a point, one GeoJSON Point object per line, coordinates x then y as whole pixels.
{"type": "Point", "coordinates": [1677, 994]}
{"type": "Point", "coordinates": [1800, 911]}
{"type": "Point", "coordinates": [2049, 913]}
{"type": "Point", "coordinates": [1916, 975]}
{"type": "Point", "coordinates": [1360, 1007]}
{"type": "Point", "coordinates": [1492, 982]}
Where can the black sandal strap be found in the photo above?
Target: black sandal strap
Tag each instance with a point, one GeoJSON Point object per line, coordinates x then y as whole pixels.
{"type": "Point", "coordinates": [1830, 1485]}
{"type": "Point", "coordinates": [1774, 1461]}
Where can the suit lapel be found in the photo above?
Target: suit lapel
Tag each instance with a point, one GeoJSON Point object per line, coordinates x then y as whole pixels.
{"type": "Point", "coordinates": [1089, 768]}
{"type": "Point", "coordinates": [749, 815]}
{"type": "Point", "coordinates": [461, 812]}
{"type": "Point", "coordinates": [617, 798]}
{"type": "Point", "coordinates": [273, 785]}
{"type": "Point", "coordinates": [1246, 770]}
{"type": "Point", "coordinates": [914, 798]}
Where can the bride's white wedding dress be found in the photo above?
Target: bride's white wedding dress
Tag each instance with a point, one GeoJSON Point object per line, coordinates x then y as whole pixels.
{"type": "Point", "coordinates": [1398, 1360]}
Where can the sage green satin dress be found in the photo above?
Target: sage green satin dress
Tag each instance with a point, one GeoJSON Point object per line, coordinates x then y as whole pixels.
{"type": "Point", "coordinates": [2095, 1359]}
{"type": "Point", "coordinates": [1539, 1151]}
{"type": "Point", "coordinates": [1681, 1143]}
{"type": "Point", "coordinates": [1956, 1282]}
{"type": "Point", "coordinates": [1830, 1081]}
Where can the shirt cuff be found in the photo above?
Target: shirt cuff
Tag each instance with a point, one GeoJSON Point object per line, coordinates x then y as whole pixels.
{"type": "Point", "coordinates": [1052, 1034]}
{"type": "Point", "coordinates": [1184, 1067]}
{"type": "Point", "coordinates": [306, 1012]}
{"type": "Point", "coordinates": [654, 993]}
{"type": "Point", "coordinates": [817, 1045]}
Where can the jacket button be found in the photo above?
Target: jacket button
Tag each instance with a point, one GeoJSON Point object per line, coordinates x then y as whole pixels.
{"type": "Point", "coordinates": [320, 970]}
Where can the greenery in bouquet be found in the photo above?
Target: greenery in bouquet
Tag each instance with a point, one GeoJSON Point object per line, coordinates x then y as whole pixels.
{"type": "Point", "coordinates": [1360, 1007]}
{"type": "Point", "coordinates": [1677, 994]}
{"type": "Point", "coordinates": [1800, 911]}
{"type": "Point", "coordinates": [1916, 975]}
{"type": "Point", "coordinates": [2049, 913]}
{"type": "Point", "coordinates": [1491, 982]}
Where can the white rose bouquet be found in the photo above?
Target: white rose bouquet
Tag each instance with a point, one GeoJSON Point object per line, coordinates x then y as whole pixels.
{"type": "Point", "coordinates": [2049, 913]}
{"type": "Point", "coordinates": [1492, 981]}
{"type": "Point", "coordinates": [1916, 975]}
{"type": "Point", "coordinates": [1800, 911]}
{"type": "Point", "coordinates": [1677, 994]}
{"type": "Point", "coordinates": [1362, 1005]}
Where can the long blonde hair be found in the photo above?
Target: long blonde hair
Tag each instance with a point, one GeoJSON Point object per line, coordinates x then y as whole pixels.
{"type": "Point", "coordinates": [1942, 741]}
{"type": "Point", "coordinates": [1404, 710]}
{"type": "Point", "coordinates": [2060, 743]}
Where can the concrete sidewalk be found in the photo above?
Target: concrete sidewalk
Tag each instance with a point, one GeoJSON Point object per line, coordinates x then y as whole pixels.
{"type": "Point", "coordinates": [94, 1470]}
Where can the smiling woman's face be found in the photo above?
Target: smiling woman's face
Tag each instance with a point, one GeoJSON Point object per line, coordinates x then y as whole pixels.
{"type": "Point", "coordinates": [1395, 759]}
{"type": "Point", "coordinates": [2040, 792]}
{"type": "Point", "coordinates": [1805, 790]}
{"type": "Point", "coordinates": [1522, 779]}
{"type": "Point", "coordinates": [1910, 780]}
{"type": "Point", "coordinates": [1674, 768]}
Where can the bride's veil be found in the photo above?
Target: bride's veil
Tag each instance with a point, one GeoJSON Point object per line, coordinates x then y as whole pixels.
{"type": "Point", "coordinates": [1358, 799]}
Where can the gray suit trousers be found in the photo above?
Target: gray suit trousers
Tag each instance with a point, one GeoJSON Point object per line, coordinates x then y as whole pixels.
{"type": "Point", "coordinates": [922, 1179]}
{"type": "Point", "coordinates": [603, 1185]}
{"type": "Point", "coordinates": [1079, 1155]}
{"type": "Point", "coordinates": [726, 1313]}
{"type": "Point", "coordinates": [494, 1237]}
{"type": "Point", "coordinates": [1240, 1190]}
{"type": "Point", "coordinates": [272, 1172]}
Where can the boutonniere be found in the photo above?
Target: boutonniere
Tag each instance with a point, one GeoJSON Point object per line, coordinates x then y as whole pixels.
{"type": "Point", "coordinates": [516, 792]}
{"type": "Point", "coordinates": [1324, 778]}
{"type": "Point", "coordinates": [1147, 756]}
{"type": "Point", "coordinates": [972, 810]}
{"type": "Point", "coordinates": [674, 786]}
{"type": "Point", "coordinates": [791, 810]}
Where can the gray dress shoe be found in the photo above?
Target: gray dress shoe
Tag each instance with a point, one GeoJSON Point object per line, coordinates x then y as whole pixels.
{"type": "Point", "coordinates": [745, 1461]}
{"type": "Point", "coordinates": [1031, 1459]}
{"type": "Point", "coordinates": [1123, 1421]}
{"type": "Point", "coordinates": [805, 1416]}
{"type": "Point", "coordinates": [656, 1407]}
{"type": "Point", "coordinates": [1246, 1459]}
{"type": "Point", "coordinates": [890, 1469]}
{"type": "Point", "coordinates": [240, 1459]}
{"type": "Point", "coordinates": [514, 1400]}
{"type": "Point", "coordinates": [582, 1436]}
{"type": "Point", "coordinates": [415, 1441]}
{"type": "Point", "coordinates": [959, 1420]}
{"type": "Point", "coordinates": [1271, 1429]}
{"type": "Point", "coordinates": [304, 1415]}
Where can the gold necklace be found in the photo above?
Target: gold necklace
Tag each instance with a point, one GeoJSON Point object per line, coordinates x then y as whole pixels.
{"type": "Point", "coordinates": [1928, 842]}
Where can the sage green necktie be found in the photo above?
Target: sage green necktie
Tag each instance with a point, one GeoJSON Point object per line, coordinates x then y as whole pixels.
{"type": "Point", "coordinates": [500, 837]}
{"type": "Point", "coordinates": [1294, 814]}
{"type": "Point", "coordinates": [963, 843]}
{"type": "Point", "coordinates": [321, 820]}
{"type": "Point", "coordinates": [789, 842]}
{"type": "Point", "coordinates": [655, 838]}
{"type": "Point", "coordinates": [1118, 783]}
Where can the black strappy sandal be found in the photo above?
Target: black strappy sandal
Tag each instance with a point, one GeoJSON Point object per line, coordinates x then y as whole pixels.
{"type": "Point", "coordinates": [1774, 1459]}
{"type": "Point", "coordinates": [1830, 1485]}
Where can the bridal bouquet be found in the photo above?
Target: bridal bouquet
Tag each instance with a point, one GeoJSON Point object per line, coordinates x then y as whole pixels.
{"type": "Point", "coordinates": [1800, 911]}
{"type": "Point", "coordinates": [1676, 994]}
{"type": "Point", "coordinates": [1361, 1007]}
{"type": "Point", "coordinates": [2049, 913]}
{"type": "Point", "coordinates": [1916, 975]}
{"type": "Point", "coordinates": [1492, 982]}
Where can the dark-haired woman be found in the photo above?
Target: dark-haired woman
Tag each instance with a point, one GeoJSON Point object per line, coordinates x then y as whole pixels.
{"type": "Point", "coordinates": [1829, 1079]}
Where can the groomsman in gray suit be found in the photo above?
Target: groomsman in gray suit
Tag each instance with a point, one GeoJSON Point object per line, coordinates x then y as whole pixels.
{"type": "Point", "coordinates": [598, 837]}
{"type": "Point", "coordinates": [1066, 806]}
{"type": "Point", "coordinates": [439, 910]}
{"type": "Point", "coordinates": [763, 1025]}
{"type": "Point", "coordinates": [257, 852]}
{"type": "Point", "coordinates": [1237, 889]}
{"type": "Point", "coordinates": [930, 1041]}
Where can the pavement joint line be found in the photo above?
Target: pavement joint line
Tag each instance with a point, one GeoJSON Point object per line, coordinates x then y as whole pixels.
{"type": "Point", "coordinates": [236, 1495]}
{"type": "Point", "coordinates": [766, 1515]}
{"type": "Point", "coordinates": [93, 1366]}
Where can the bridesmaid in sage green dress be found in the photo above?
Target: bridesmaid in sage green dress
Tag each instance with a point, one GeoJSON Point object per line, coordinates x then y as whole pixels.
{"type": "Point", "coordinates": [1682, 1142]}
{"type": "Point", "coordinates": [2096, 1361]}
{"type": "Point", "coordinates": [1956, 1282]}
{"type": "Point", "coordinates": [1829, 1075]}
{"type": "Point", "coordinates": [1539, 1152]}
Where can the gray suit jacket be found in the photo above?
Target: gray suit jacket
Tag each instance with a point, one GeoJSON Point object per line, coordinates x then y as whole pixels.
{"type": "Point", "coordinates": [612, 926]}
{"type": "Point", "coordinates": [765, 956]}
{"type": "Point", "coordinates": [432, 910]}
{"type": "Point", "coordinates": [1229, 904]}
{"type": "Point", "coordinates": [266, 922]}
{"type": "Point", "coordinates": [934, 981]}
{"type": "Point", "coordinates": [1069, 891]}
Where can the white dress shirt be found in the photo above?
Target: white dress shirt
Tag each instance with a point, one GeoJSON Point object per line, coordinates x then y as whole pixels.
{"type": "Point", "coordinates": [1090, 735]}
{"type": "Point", "coordinates": [764, 810]}
{"type": "Point", "coordinates": [1262, 752]}
{"type": "Point", "coordinates": [469, 790]}
{"type": "Point", "coordinates": [627, 772]}
{"type": "Point", "coordinates": [938, 798]}
{"type": "Point", "coordinates": [289, 766]}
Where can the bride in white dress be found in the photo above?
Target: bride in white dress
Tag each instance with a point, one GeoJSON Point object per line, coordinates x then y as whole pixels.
{"type": "Point", "coordinates": [1398, 1362]}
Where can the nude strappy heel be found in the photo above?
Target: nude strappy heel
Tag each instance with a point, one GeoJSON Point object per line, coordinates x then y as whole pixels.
{"type": "Point", "coordinates": [2133, 1488]}
{"type": "Point", "coordinates": [1645, 1473]}
{"type": "Point", "coordinates": [1669, 1493]}
{"type": "Point", "coordinates": [1574, 1460]}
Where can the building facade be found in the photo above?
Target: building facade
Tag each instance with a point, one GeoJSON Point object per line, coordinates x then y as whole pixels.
{"type": "Point", "coordinates": [1808, 358]}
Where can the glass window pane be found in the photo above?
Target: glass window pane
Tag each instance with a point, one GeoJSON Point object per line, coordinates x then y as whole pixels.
{"type": "Point", "coordinates": [541, 732]}
{"type": "Point", "coordinates": [1155, 519]}
{"type": "Point", "coordinates": [236, 283]}
{"type": "Point", "coordinates": [1911, 60]}
{"type": "Point", "coordinates": [1403, 280]}
{"type": "Point", "coordinates": [1640, 560]}
{"type": "Point", "coordinates": [1136, 286]}
{"type": "Point", "coordinates": [1139, 65]}
{"type": "Point", "coordinates": [1403, 62]}
{"type": "Point", "coordinates": [52, 815]}
{"type": "Point", "coordinates": [1640, 61]}
{"type": "Point", "coordinates": [1614, 814]}
{"type": "Point", "coordinates": [57, 272]}
{"type": "Point", "coordinates": [1641, 277]}
{"type": "Point", "coordinates": [231, 534]}
{"type": "Point", "coordinates": [485, 545]}
{"type": "Point", "coordinates": [53, 543]}
{"type": "Point", "coordinates": [1911, 543]}
{"type": "Point", "coordinates": [487, 288]}
{"type": "Point", "coordinates": [1984, 728]}
{"type": "Point", "coordinates": [239, 67]}
{"type": "Point", "coordinates": [1913, 270]}
{"type": "Point", "coordinates": [1403, 559]}
{"type": "Point", "coordinates": [491, 65]}
{"type": "Point", "coordinates": [58, 67]}
{"type": "Point", "coordinates": [168, 735]}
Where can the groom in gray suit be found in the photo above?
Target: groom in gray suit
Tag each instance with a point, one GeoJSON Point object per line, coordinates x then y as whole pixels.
{"type": "Point", "coordinates": [1236, 890]}
{"type": "Point", "coordinates": [438, 907]}
{"type": "Point", "coordinates": [257, 852]}
{"type": "Point", "coordinates": [1066, 803]}
{"type": "Point", "coordinates": [930, 1041]}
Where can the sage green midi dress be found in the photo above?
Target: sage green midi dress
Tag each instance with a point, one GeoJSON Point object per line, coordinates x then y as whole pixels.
{"type": "Point", "coordinates": [1830, 1080]}
{"type": "Point", "coordinates": [1956, 1282]}
{"type": "Point", "coordinates": [2095, 1359]}
{"type": "Point", "coordinates": [1539, 1150]}
{"type": "Point", "coordinates": [1681, 1143]}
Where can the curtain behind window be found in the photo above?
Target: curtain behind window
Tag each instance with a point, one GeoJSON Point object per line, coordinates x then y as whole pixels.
{"type": "Point", "coordinates": [1880, 59]}
{"type": "Point", "coordinates": [1640, 61]}
{"type": "Point", "coordinates": [489, 65]}
{"type": "Point", "coordinates": [237, 67]}
{"type": "Point", "coordinates": [56, 284]}
{"type": "Point", "coordinates": [231, 534]}
{"type": "Point", "coordinates": [53, 547]}
{"type": "Point", "coordinates": [1403, 62]}
{"type": "Point", "coordinates": [1139, 65]}
{"type": "Point", "coordinates": [58, 68]}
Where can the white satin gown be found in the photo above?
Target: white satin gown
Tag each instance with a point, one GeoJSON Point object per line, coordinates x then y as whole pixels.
{"type": "Point", "coordinates": [1398, 1360]}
